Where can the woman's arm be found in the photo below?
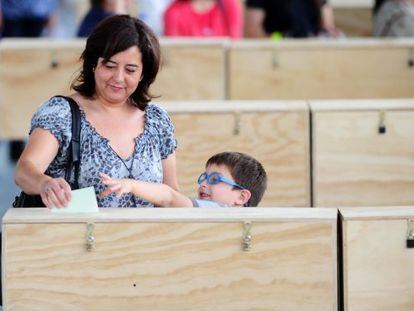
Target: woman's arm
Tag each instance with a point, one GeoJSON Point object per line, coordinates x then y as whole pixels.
{"type": "Point", "coordinates": [36, 157]}
{"type": "Point", "coordinates": [169, 171]}
{"type": "Point", "coordinates": [158, 194]}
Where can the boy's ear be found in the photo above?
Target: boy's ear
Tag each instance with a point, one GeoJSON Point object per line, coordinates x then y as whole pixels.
{"type": "Point", "coordinates": [244, 196]}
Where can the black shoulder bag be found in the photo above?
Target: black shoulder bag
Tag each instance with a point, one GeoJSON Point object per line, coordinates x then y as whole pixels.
{"type": "Point", "coordinates": [27, 200]}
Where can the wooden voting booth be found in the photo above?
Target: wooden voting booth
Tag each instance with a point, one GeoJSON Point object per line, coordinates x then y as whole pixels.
{"type": "Point", "coordinates": [32, 71]}
{"type": "Point", "coordinates": [171, 259]}
{"type": "Point", "coordinates": [191, 69]}
{"type": "Point", "coordinates": [362, 152]}
{"type": "Point", "coordinates": [275, 133]}
{"type": "Point", "coordinates": [377, 264]}
{"type": "Point", "coordinates": [321, 69]}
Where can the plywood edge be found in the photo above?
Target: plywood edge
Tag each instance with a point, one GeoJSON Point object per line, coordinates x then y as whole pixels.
{"type": "Point", "coordinates": [192, 42]}
{"type": "Point", "coordinates": [361, 105]}
{"type": "Point", "coordinates": [334, 241]}
{"type": "Point", "coordinates": [351, 4]}
{"type": "Point", "coordinates": [374, 213]}
{"type": "Point", "coordinates": [214, 106]}
{"type": "Point", "coordinates": [344, 264]}
{"type": "Point", "coordinates": [272, 214]}
{"type": "Point", "coordinates": [312, 153]}
{"type": "Point", "coordinates": [41, 44]}
{"type": "Point", "coordinates": [322, 43]}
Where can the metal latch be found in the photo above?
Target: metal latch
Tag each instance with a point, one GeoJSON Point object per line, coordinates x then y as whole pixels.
{"type": "Point", "coordinates": [410, 233]}
{"type": "Point", "coordinates": [382, 129]}
{"type": "Point", "coordinates": [90, 239]}
{"type": "Point", "coordinates": [247, 237]}
{"type": "Point", "coordinates": [236, 129]}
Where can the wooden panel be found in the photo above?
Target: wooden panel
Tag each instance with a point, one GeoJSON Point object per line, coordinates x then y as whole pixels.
{"type": "Point", "coordinates": [352, 3]}
{"type": "Point", "coordinates": [162, 265]}
{"type": "Point", "coordinates": [378, 269]}
{"type": "Point", "coordinates": [30, 73]}
{"type": "Point", "coordinates": [191, 69]}
{"type": "Point", "coordinates": [320, 70]}
{"type": "Point", "coordinates": [279, 139]}
{"type": "Point", "coordinates": [354, 165]}
{"type": "Point", "coordinates": [354, 22]}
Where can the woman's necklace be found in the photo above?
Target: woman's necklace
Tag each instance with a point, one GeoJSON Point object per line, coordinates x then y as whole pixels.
{"type": "Point", "coordinates": [129, 169]}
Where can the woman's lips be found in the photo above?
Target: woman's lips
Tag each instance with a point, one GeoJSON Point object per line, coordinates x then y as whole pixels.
{"type": "Point", "coordinates": [116, 88]}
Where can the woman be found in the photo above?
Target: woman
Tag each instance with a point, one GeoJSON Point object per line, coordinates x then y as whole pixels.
{"type": "Point", "coordinates": [122, 134]}
{"type": "Point", "coordinates": [204, 18]}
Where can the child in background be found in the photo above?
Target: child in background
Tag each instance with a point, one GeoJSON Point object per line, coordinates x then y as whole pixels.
{"type": "Point", "coordinates": [231, 179]}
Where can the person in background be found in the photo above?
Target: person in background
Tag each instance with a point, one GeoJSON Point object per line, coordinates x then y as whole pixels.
{"type": "Point", "coordinates": [152, 13]}
{"type": "Point", "coordinates": [27, 18]}
{"type": "Point", "coordinates": [98, 11]}
{"type": "Point", "coordinates": [1, 21]}
{"type": "Point", "coordinates": [65, 19]}
{"type": "Point", "coordinates": [289, 18]}
{"type": "Point", "coordinates": [204, 18]}
{"type": "Point", "coordinates": [231, 179]}
{"type": "Point", "coordinates": [393, 18]}
{"type": "Point", "coordinates": [122, 135]}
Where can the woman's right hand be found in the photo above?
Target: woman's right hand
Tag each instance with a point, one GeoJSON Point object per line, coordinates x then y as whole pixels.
{"type": "Point", "coordinates": [55, 192]}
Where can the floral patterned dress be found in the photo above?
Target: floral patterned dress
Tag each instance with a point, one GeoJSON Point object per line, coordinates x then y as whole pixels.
{"type": "Point", "coordinates": [154, 144]}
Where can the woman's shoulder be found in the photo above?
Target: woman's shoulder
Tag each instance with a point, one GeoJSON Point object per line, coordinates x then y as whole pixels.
{"type": "Point", "coordinates": [54, 115]}
{"type": "Point", "coordinates": [56, 104]}
{"type": "Point", "coordinates": [154, 111]}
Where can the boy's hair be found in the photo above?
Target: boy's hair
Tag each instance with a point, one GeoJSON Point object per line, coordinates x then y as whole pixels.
{"type": "Point", "coordinates": [246, 171]}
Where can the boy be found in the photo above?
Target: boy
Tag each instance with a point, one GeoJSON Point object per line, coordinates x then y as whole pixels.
{"type": "Point", "coordinates": [230, 179]}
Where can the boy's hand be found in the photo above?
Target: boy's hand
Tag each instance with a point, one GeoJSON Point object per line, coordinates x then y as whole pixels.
{"type": "Point", "coordinates": [118, 186]}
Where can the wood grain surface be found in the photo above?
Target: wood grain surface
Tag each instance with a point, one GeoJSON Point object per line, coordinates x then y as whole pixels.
{"type": "Point", "coordinates": [354, 165]}
{"type": "Point", "coordinates": [170, 266]}
{"type": "Point", "coordinates": [331, 70]}
{"type": "Point", "coordinates": [378, 268]}
{"type": "Point", "coordinates": [278, 139]}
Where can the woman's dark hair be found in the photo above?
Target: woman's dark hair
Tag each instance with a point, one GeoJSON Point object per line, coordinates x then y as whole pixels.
{"type": "Point", "coordinates": [113, 35]}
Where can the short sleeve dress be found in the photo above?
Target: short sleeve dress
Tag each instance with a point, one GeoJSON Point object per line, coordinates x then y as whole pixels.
{"type": "Point", "coordinates": [154, 144]}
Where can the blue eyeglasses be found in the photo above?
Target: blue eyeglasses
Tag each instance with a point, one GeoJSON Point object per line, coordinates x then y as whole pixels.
{"type": "Point", "coordinates": [214, 178]}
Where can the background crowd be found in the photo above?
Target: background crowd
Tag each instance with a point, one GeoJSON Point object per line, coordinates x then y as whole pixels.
{"type": "Point", "coordinates": [199, 18]}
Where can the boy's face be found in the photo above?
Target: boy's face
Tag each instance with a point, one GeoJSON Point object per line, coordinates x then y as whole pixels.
{"type": "Point", "coordinates": [221, 192]}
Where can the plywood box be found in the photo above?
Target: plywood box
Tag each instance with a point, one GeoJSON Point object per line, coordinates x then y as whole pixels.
{"type": "Point", "coordinates": [171, 259]}
{"type": "Point", "coordinates": [275, 133]}
{"type": "Point", "coordinates": [377, 265]}
{"type": "Point", "coordinates": [321, 69]}
{"type": "Point", "coordinates": [191, 69]}
{"type": "Point", "coordinates": [354, 164]}
{"type": "Point", "coordinates": [32, 71]}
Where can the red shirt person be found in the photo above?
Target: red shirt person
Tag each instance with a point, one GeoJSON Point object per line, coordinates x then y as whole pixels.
{"type": "Point", "coordinates": [204, 18]}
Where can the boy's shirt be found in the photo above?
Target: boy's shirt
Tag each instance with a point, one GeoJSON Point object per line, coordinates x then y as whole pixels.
{"type": "Point", "coordinates": [207, 203]}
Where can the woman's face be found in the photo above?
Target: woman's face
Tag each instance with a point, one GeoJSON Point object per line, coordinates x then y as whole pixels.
{"type": "Point", "coordinates": [118, 78]}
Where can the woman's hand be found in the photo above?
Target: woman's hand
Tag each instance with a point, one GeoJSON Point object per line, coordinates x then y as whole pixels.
{"type": "Point", "coordinates": [55, 192]}
{"type": "Point", "coordinates": [118, 186]}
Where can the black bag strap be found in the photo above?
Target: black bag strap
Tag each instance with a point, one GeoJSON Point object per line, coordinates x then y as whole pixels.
{"type": "Point", "coordinates": [74, 148]}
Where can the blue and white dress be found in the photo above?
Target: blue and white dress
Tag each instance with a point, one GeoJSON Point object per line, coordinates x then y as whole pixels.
{"type": "Point", "coordinates": [154, 144]}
